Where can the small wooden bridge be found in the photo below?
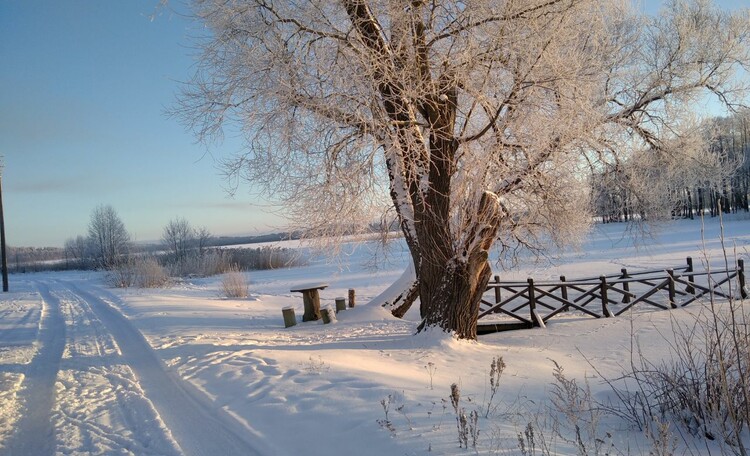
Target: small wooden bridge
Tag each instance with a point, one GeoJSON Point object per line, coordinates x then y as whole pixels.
{"type": "Point", "coordinates": [516, 305]}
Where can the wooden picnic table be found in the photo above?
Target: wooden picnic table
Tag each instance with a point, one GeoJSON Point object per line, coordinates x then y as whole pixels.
{"type": "Point", "coordinates": [311, 299]}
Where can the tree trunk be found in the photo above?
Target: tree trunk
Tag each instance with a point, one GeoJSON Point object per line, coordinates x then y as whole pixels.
{"type": "Point", "coordinates": [450, 291]}
{"type": "Point", "coordinates": [454, 297]}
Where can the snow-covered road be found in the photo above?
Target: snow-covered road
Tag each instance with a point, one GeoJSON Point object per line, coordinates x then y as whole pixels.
{"type": "Point", "coordinates": [94, 385]}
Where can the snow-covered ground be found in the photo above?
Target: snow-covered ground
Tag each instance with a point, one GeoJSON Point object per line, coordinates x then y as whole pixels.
{"type": "Point", "coordinates": [85, 369]}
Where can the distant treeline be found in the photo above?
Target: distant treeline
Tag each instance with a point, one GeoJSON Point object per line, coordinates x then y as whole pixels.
{"type": "Point", "coordinates": [726, 189]}
{"type": "Point", "coordinates": [35, 259]}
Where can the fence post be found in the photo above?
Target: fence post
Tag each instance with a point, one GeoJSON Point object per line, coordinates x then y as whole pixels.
{"type": "Point", "coordinates": [498, 297]}
{"type": "Point", "coordinates": [605, 300]}
{"type": "Point", "coordinates": [564, 294]}
{"type": "Point", "coordinates": [690, 289]}
{"type": "Point", "coordinates": [672, 293]}
{"type": "Point", "coordinates": [741, 277]}
{"type": "Point", "coordinates": [532, 303]}
{"type": "Point", "coordinates": [351, 297]}
{"type": "Point", "coordinates": [625, 286]}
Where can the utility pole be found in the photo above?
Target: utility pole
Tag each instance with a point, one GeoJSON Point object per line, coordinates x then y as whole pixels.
{"type": "Point", "coordinates": [2, 238]}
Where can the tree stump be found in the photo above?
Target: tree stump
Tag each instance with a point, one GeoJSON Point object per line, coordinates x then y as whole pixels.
{"type": "Point", "coordinates": [340, 304]}
{"type": "Point", "coordinates": [329, 316]}
{"type": "Point", "coordinates": [289, 318]}
{"type": "Point", "coordinates": [351, 297]}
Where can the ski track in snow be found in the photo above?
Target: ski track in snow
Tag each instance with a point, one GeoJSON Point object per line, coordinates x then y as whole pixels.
{"type": "Point", "coordinates": [200, 427]}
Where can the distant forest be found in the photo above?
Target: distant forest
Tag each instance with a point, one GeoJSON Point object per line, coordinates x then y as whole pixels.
{"type": "Point", "coordinates": [727, 139]}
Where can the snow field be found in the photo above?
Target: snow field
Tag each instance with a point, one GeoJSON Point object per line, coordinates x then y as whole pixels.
{"type": "Point", "coordinates": [314, 380]}
{"type": "Point", "coordinates": [317, 389]}
{"type": "Point", "coordinates": [19, 319]}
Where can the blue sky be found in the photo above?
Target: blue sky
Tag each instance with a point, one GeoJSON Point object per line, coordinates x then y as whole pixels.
{"type": "Point", "coordinates": [84, 88]}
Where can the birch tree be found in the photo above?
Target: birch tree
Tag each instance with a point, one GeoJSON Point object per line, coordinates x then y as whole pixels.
{"type": "Point", "coordinates": [473, 123]}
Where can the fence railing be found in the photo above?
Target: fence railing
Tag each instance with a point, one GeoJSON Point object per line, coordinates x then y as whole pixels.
{"type": "Point", "coordinates": [531, 304]}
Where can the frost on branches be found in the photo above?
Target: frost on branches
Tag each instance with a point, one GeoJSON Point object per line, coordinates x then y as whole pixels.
{"type": "Point", "coordinates": [467, 122]}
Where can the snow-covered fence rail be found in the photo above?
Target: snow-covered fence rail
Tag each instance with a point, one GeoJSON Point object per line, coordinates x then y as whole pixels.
{"type": "Point", "coordinates": [515, 305]}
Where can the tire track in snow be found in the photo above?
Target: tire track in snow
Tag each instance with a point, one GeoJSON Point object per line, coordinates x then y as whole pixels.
{"type": "Point", "coordinates": [34, 431]}
{"type": "Point", "coordinates": [197, 427]}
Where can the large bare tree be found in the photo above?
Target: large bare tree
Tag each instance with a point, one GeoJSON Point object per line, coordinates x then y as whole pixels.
{"type": "Point", "coordinates": [468, 121]}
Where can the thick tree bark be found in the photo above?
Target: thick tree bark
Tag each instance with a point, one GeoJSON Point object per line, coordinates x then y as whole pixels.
{"type": "Point", "coordinates": [450, 292]}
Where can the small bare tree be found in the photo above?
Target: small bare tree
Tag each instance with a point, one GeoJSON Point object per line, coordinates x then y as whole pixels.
{"type": "Point", "coordinates": [470, 123]}
{"type": "Point", "coordinates": [108, 236]}
{"type": "Point", "coordinates": [78, 249]}
{"type": "Point", "coordinates": [179, 238]}
{"type": "Point", "coordinates": [202, 239]}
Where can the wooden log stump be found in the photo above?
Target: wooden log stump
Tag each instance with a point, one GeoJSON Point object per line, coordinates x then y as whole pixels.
{"type": "Point", "coordinates": [289, 318]}
{"type": "Point", "coordinates": [329, 316]}
{"type": "Point", "coordinates": [351, 297]}
{"type": "Point", "coordinates": [340, 304]}
{"type": "Point", "coordinates": [311, 299]}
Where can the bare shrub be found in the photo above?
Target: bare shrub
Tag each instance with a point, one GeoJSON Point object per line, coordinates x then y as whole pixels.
{"type": "Point", "coordinates": [142, 272]}
{"type": "Point", "coordinates": [496, 371]}
{"type": "Point", "coordinates": [150, 274]}
{"type": "Point", "coordinates": [578, 415]}
{"type": "Point", "coordinates": [705, 384]}
{"type": "Point", "coordinates": [266, 257]}
{"type": "Point", "coordinates": [234, 284]}
{"type": "Point", "coordinates": [703, 387]}
{"type": "Point", "coordinates": [122, 275]}
{"type": "Point", "coordinates": [211, 263]}
{"type": "Point", "coordinates": [218, 261]}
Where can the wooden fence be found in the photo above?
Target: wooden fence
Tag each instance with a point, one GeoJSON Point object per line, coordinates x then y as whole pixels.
{"type": "Point", "coordinates": [516, 305]}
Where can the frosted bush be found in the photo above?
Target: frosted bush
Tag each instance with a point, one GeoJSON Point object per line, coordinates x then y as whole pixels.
{"type": "Point", "coordinates": [150, 274]}
{"type": "Point", "coordinates": [234, 284]}
{"type": "Point", "coordinates": [138, 272]}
